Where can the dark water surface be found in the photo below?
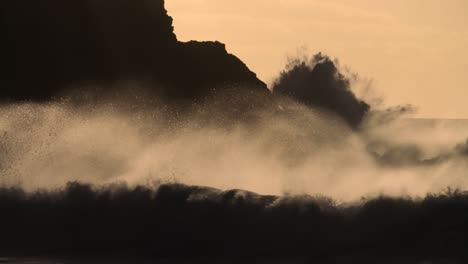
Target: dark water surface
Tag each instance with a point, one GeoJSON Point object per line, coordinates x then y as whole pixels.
{"type": "Point", "coordinates": [220, 261]}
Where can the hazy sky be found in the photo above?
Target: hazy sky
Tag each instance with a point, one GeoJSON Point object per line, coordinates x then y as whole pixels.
{"type": "Point", "coordinates": [415, 51]}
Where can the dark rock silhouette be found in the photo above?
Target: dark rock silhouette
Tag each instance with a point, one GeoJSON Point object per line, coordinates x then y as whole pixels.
{"type": "Point", "coordinates": [319, 83]}
{"type": "Point", "coordinates": [49, 46]}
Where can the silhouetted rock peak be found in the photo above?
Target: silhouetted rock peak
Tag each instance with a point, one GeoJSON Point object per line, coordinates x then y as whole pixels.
{"type": "Point", "coordinates": [50, 45]}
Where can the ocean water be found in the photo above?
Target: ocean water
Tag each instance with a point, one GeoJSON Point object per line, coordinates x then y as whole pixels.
{"type": "Point", "coordinates": [253, 260]}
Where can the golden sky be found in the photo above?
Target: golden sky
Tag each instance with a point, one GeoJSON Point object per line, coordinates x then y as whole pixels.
{"type": "Point", "coordinates": [415, 51]}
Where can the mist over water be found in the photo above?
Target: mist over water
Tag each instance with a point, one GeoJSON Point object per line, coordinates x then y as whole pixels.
{"type": "Point", "coordinates": [283, 147]}
{"type": "Point", "coordinates": [119, 142]}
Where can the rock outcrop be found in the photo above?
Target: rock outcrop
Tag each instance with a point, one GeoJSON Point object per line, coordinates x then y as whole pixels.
{"type": "Point", "coordinates": [50, 45]}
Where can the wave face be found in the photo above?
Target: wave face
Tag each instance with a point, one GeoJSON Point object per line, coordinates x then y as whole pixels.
{"type": "Point", "coordinates": [133, 159]}
{"type": "Point", "coordinates": [173, 220]}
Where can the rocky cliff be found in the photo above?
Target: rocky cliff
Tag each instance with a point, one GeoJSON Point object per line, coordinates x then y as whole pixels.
{"type": "Point", "coordinates": [51, 45]}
